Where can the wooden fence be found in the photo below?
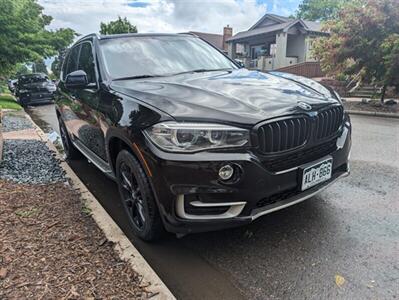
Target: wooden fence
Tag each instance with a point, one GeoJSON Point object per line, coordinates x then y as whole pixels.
{"type": "Point", "coordinates": [307, 69]}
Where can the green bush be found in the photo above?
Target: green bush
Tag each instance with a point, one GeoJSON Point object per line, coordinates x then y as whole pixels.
{"type": "Point", "coordinates": [7, 101]}
{"type": "Point", "coordinates": [3, 87]}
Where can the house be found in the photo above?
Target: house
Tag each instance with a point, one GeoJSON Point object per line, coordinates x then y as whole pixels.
{"type": "Point", "coordinates": [217, 40]}
{"type": "Point", "coordinates": [275, 42]}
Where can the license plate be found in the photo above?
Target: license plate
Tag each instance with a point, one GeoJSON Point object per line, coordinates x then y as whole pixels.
{"type": "Point", "coordinates": [317, 173]}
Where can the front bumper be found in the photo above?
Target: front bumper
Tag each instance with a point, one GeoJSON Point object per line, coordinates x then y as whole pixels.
{"type": "Point", "coordinates": [192, 198]}
{"type": "Point", "coordinates": [36, 97]}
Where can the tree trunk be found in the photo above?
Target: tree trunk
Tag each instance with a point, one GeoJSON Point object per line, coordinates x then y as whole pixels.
{"type": "Point", "coordinates": [384, 88]}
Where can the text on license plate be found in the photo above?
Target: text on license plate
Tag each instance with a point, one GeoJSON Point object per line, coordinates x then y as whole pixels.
{"type": "Point", "coordinates": [317, 173]}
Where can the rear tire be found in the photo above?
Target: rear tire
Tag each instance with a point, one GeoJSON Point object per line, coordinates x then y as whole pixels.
{"type": "Point", "coordinates": [24, 104]}
{"type": "Point", "coordinates": [70, 150]}
{"type": "Point", "coordinates": [138, 198]}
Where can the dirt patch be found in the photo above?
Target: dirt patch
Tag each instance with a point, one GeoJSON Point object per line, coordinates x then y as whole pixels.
{"type": "Point", "coordinates": [373, 106]}
{"type": "Point", "coordinates": [50, 248]}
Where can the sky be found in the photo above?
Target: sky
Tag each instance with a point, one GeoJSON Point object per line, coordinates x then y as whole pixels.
{"type": "Point", "coordinates": [84, 16]}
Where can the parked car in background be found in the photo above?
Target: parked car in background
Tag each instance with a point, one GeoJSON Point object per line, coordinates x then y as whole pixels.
{"type": "Point", "coordinates": [195, 142]}
{"type": "Point", "coordinates": [34, 88]}
{"type": "Point", "coordinates": [11, 85]}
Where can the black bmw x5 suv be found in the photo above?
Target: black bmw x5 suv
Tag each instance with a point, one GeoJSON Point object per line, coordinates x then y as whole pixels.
{"type": "Point", "coordinates": [34, 88]}
{"type": "Point", "coordinates": [194, 141]}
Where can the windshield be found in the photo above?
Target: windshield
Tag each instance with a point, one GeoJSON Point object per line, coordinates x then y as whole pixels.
{"type": "Point", "coordinates": [160, 56]}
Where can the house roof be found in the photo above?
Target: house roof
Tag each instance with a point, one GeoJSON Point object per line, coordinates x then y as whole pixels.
{"type": "Point", "coordinates": [214, 39]}
{"type": "Point", "coordinates": [280, 24]}
{"type": "Point", "coordinates": [279, 19]}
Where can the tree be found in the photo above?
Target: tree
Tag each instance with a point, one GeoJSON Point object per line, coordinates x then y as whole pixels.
{"type": "Point", "coordinates": [57, 63]}
{"type": "Point", "coordinates": [20, 69]}
{"type": "Point", "coordinates": [23, 35]}
{"type": "Point", "coordinates": [118, 26]}
{"type": "Point", "coordinates": [320, 10]}
{"type": "Point", "coordinates": [39, 67]}
{"type": "Point", "coordinates": [364, 40]}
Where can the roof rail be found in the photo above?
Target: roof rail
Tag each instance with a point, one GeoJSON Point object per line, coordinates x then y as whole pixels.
{"type": "Point", "coordinates": [87, 36]}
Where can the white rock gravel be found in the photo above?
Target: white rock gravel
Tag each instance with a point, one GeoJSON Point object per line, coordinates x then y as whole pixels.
{"type": "Point", "coordinates": [29, 161]}
{"type": "Point", "coordinates": [14, 123]}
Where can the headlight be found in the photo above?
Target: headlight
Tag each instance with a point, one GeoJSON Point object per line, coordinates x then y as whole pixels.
{"type": "Point", "coordinates": [191, 137]}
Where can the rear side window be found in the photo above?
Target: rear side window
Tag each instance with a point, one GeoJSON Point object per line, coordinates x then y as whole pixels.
{"type": "Point", "coordinates": [64, 67]}
{"type": "Point", "coordinates": [72, 63]}
{"type": "Point", "coordinates": [86, 62]}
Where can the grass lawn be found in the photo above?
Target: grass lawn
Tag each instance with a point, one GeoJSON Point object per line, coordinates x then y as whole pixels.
{"type": "Point", "coordinates": [8, 102]}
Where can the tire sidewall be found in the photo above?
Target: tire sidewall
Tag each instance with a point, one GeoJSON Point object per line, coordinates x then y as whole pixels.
{"type": "Point", "coordinates": [70, 151]}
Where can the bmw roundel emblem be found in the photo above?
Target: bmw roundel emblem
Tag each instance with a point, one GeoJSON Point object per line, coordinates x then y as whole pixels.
{"type": "Point", "coordinates": [304, 106]}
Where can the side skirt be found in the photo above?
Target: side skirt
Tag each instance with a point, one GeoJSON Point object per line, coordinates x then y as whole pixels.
{"type": "Point", "coordinates": [95, 159]}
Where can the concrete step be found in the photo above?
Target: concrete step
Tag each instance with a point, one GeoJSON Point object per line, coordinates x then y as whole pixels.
{"type": "Point", "coordinates": [362, 95]}
{"type": "Point", "coordinates": [368, 88]}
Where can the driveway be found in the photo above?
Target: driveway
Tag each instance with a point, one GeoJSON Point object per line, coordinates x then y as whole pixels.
{"type": "Point", "coordinates": [351, 230]}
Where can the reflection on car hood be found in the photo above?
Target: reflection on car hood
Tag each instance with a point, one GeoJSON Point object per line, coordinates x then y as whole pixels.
{"type": "Point", "coordinates": [305, 81]}
{"type": "Point", "coordinates": [240, 96]}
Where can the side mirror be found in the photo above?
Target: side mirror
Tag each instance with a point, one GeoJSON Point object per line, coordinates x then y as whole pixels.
{"type": "Point", "coordinates": [76, 80]}
{"type": "Point", "coordinates": [239, 63]}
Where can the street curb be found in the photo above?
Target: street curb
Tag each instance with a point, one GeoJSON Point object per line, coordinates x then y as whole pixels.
{"type": "Point", "coordinates": [124, 248]}
{"type": "Point", "coordinates": [373, 114]}
{"type": "Point", "coordinates": [1, 137]}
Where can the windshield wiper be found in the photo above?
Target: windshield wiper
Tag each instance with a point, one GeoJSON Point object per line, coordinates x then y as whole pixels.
{"type": "Point", "coordinates": [168, 75]}
{"type": "Point", "coordinates": [201, 71]}
{"type": "Point", "coordinates": [138, 77]}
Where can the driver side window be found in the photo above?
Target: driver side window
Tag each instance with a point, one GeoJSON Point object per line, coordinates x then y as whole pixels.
{"type": "Point", "coordinates": [86, 62]}
{"type": "Point", "coordinates": [72, 63]}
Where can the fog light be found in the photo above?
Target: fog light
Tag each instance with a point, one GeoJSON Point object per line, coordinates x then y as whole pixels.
{"type": "Point", "coordinates": [226, 172]}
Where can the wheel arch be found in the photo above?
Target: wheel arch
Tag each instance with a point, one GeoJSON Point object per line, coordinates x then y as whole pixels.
{"type": "Point", "coordinates": [117, 143]}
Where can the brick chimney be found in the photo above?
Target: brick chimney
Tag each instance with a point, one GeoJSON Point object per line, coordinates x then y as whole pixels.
{"type": "Point", "coordinates": [227, 33]}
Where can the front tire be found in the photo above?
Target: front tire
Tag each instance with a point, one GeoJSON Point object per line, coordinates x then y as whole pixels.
{"type": "Point", "coordinates": [138, 198]}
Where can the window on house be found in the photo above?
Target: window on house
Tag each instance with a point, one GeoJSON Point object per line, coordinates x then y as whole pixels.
{"type": "Point", "coordinates": [257, 51]}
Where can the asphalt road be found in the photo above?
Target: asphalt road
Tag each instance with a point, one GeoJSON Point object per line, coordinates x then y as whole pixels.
{"type": "Point", "coordinates": [351, 230]}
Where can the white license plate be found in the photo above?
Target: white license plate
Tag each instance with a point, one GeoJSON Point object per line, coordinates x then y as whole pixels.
{"type": "Point", "coordinates": [317, 173]}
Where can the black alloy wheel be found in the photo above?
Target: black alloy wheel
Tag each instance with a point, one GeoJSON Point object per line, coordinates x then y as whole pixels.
{"type": "Point", "coordinates": [137, 197]}
{"type": "Point", "coordinates": [132, 196]}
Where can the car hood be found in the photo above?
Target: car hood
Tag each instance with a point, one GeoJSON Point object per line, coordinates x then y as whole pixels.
{"type": "Point", "coordinates": [239, 96]}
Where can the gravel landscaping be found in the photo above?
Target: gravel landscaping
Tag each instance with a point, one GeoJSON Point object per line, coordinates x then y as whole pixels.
{"type": "Point", "coordinates": [372, 106]}
{"type": "Point", "coordinates": [15, 122]}
{"type": "Point", "coordinates": [29, 161]}
{"type": "Point", "coordinates": [50, 248]}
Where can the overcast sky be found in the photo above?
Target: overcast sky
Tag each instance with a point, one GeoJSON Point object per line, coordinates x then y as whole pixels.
{"type": "Point", "coordinates": [84, 16]}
